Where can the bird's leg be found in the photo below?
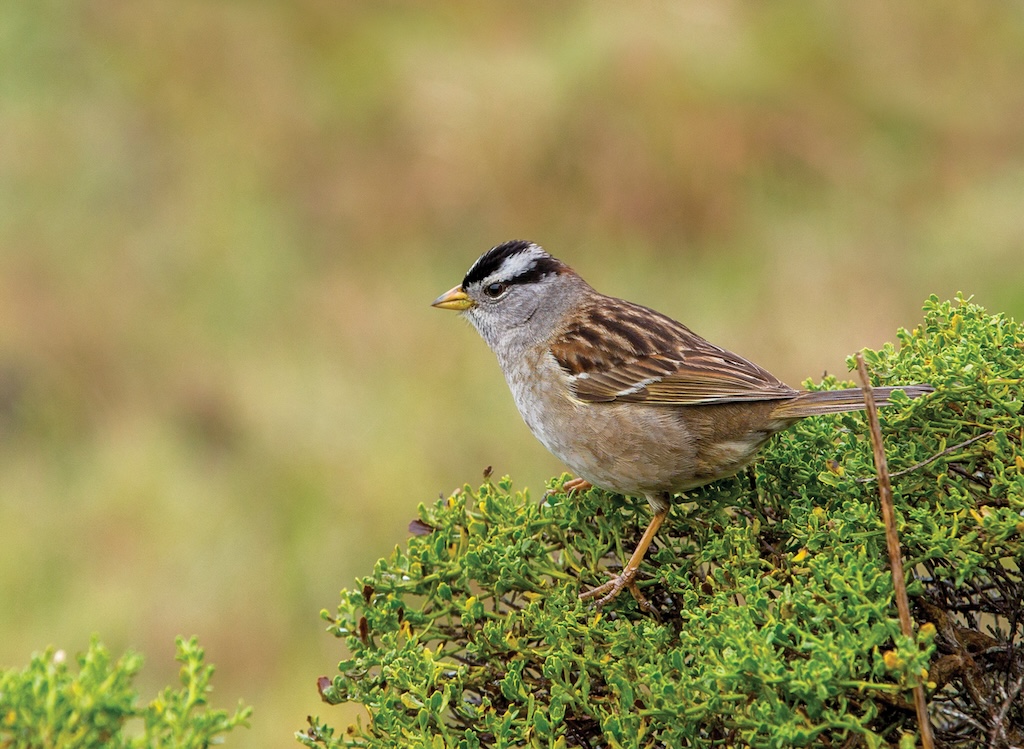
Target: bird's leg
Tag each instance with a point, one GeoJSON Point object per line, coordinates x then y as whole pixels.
{"type": "Point", "coordinates": [625, 579]}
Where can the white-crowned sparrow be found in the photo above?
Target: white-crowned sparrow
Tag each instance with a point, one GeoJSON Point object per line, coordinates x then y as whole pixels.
{"type": "Point", "coordinates": [630, 400]}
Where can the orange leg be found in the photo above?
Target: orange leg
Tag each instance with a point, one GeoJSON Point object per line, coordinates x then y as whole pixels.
{"type": "Point", "coordinates": [625, 579]}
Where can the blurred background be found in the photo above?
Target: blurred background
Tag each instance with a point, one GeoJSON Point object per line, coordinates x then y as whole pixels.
{"type": "Point", "coordinates": [223, 391]}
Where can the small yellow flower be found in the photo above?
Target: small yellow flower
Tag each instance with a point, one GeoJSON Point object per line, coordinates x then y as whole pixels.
{"type": "Point", "coordinates": [892, 659]}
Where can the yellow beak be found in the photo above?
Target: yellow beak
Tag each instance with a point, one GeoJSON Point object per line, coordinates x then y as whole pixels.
{"type": "Point", "coordinates": [455, 298]}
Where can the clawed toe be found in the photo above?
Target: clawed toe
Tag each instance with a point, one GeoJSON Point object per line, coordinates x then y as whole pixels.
{"type": "Point", "coordinates": [608, 591]}
{"type": "Point", "coordinates": [612, 588]}
{"type": "Point", "coordinates": [576, 485]}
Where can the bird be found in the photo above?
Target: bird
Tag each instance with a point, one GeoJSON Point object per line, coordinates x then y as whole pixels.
{"type": "Point", "coordinates": [630, 400]}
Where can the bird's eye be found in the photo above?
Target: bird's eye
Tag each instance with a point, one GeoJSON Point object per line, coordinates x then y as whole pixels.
{"type": "Point", "coordinates": [495, 290]}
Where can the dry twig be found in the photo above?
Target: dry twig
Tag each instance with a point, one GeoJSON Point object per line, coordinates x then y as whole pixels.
{"type": "Point", "coordinates": [932, 459]}
{"type": "Point", "coordinates": [893, 542]}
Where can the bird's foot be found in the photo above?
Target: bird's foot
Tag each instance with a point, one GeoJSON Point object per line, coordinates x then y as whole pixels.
{"type": "Point", "coordinates": [572, 486]}
{"type": "Point", "coordinates": [612, 588]}
{"type": "Point", "coordinates": [576, 485]}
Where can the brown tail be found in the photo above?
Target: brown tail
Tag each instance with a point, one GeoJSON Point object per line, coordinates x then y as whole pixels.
{"type": "Point", "coordinates": [808, 403]}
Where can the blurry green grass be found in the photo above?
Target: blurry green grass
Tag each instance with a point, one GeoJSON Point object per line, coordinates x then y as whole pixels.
{"type": "Point", "coordinates": [222, 390]}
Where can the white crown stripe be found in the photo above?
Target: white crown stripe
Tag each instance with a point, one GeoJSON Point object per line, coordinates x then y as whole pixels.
{"type": "Point", "coordinates": [516, 265]}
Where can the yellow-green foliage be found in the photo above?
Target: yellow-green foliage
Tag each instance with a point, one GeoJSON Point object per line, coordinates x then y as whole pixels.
{"type": "Point", "coordinates": [48, 706]}
{"type": "Point", "coordinates": [776, 623]}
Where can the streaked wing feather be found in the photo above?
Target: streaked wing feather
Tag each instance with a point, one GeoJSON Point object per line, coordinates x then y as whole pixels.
{"type": "Point", "coordinates": [678, 367]}
{"type": "Point", "coordinates": [627, 381]}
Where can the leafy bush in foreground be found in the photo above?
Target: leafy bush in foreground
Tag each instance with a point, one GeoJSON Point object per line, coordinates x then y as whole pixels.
{"type": "Point", "coordinates": [48, 706]}
{"type": "Point", "coordinates": [776, 625]}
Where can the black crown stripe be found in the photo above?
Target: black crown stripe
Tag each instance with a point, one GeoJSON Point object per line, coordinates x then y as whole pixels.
{"type": "Point", "coordinates": [494, 258]}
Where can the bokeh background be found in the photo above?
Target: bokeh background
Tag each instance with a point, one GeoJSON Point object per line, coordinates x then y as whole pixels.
{"type": "Point", "coordinates": [223, 392]}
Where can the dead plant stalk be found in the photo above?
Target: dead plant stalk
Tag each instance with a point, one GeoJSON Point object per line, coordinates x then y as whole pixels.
{"type": "Point", "coordinates": [893, 542]}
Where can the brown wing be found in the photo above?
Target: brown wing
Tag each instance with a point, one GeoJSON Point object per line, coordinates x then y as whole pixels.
{"type": "Point", "coordinates": [640, 355]}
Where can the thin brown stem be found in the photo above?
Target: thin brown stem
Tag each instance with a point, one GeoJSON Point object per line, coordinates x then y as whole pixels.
{"type": "Point", "coordinates": [933, 458]}
{"type": "Point", "coordinates": [893, 542]}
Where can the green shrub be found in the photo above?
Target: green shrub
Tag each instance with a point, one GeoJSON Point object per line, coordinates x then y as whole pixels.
{"type": "Point", "coordinates": [776, 624]}
{"type": "Point", "coordinates": [48, 706]}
